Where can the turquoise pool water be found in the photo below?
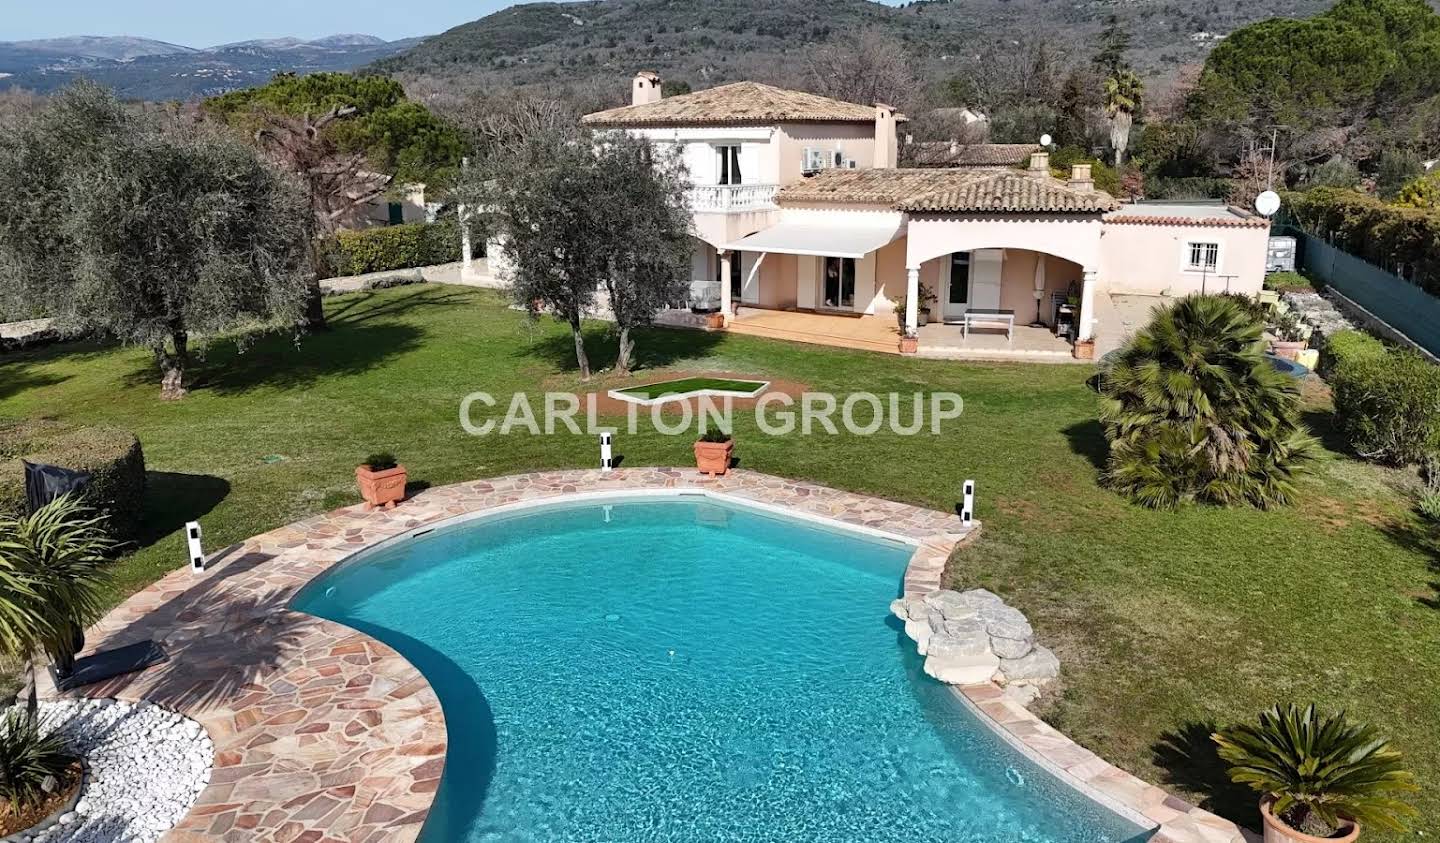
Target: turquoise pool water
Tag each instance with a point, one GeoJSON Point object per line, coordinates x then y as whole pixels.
{"type": "Point", "coordinates": [686, 670]}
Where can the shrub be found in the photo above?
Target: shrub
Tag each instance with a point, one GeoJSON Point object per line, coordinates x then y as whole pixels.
{"type": "Point", "coordinates": [1344, 346]}
{"type": "Point", "coordinates": [1189, 187]}
{"type": "Point", "coordinates": [1388, 406]}
{"type": "Point", "coordinates": [112, 456]}
{"type": "Point", "coordinates": [1282, 281]}
{"type": "Point", "coordinates": [1402, 240]}
{"type": "Point", "coordinates": [1428, 505]}
{"type": "Point", "coordinates": [382, 461]}
{"type": "Point", "coordinates": [1321, 771]}
{"type": "Point", "coordinates": [396, 247]}
{"type": "Point", "coordinates": [30, 760]}
{"type": "Point", "coordinates": [1194, 411]}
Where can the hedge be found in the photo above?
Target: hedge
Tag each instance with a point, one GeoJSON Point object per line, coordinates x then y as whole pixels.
{"type": "Point", "coordinates": [112, 456]}
{"type": "Point", "coordinates": [396, 247]}
{"type": "Point", "coordinates": [1342, 347]}
{"type": "Point", "coordinates": [1388, 405]}
{"type": "Point", "coordinates": [1405, 241]}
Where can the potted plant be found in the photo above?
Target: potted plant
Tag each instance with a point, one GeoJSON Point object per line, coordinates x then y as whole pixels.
{"type": "Point", "coordinates": [1291, 336]}
{"type": "Point", "coordinates": [712, 452]}
{"type": "Point", "coordinates": [1319, 778]}
{"type": "Point", "coordinates": [909, 343]}
{"type": "Point", "coordinates": [715, 321]}
{"type": "Point", "coordinates": [382, 481]}
{"type": "Point", "coordinates": [1085, 349]}
{"type": "Point", "coordinates": [926, 296]}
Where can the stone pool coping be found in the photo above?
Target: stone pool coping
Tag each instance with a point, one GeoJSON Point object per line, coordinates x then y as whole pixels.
{"type": "Point", "coordinates": [1173, 819]}
{"type": "Point", "coordinates": [323, 733]}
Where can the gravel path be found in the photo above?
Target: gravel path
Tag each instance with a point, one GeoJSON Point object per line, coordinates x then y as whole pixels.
{"type": "Point", "coordinates": [145, 767]}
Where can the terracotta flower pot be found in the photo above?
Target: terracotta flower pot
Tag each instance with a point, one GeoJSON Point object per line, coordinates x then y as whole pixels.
{"type": "Point", "coordinates": [1085, 350]}
{"type": "Point", "coordinates": [713, 458]}
{"type": "Point", "coordinates": [909, 345]}
{"type": "Point", "coordinates": [1287, 350]}
{"type": "Point", "coordinates": [381, 488]}
{"type": "Point", "coordinates": [714, 321]}
{"type": "Point", "coordinates": [1277, 831]}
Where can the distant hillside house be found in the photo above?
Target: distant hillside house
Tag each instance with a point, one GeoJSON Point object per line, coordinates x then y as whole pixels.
{"type": "Point", "coordinates": [798, 205]}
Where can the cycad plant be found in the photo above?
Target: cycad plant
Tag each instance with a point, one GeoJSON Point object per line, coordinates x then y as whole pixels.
{"type": "Point", "coordinates": [52, 580]}
{"type": "Point", "coordinates": [33, 762]}
{"type": "Point", "coordinates": [1321, 772]}
{"type": "Point", "coordinates": [1195, 412]}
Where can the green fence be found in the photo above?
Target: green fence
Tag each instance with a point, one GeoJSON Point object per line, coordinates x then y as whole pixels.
{"type": "Point", "coordinates": [1404, 306]}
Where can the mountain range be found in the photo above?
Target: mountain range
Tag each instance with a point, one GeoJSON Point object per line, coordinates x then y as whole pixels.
{"type": "Point", "coordinates": [598, 43]}
{"type": "Point", "coordinates": [143, 68]}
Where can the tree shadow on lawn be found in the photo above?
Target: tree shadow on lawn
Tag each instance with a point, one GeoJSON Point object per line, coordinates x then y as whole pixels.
{"type": "Point", "coordinates": [171, 499]}
{"type": "Point", "coordinates": [1323, 427]}
{"type": "Point", "coordinates": [1087, 438]}
{"type": "Point", "coordinates": [19, 376]}
{"type": "Point", "coordinates": [1191, 761]}
{"type": "Point", "coordinates": [363, 307]}
{"type": "Point", "coordinates": [655, 348]}
{"type": "Point", "coordinates": [1423, 540]}
{"type": "Point", "coordinates": [280, 362]}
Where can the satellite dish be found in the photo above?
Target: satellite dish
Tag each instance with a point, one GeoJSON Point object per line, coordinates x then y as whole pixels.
{"type": "Point", "coordinates": [1045, 140]}
{"type": "Point", "coordinates": [1267, 203]}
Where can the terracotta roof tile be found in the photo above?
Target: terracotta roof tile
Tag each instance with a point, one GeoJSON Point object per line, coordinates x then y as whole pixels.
{"type": "Point", "coordinates": [947, 190]}
{"type": "Point", "coordinates": [947, 154]}
{"type": "Point", "coordinates": [1210, 222]}
{"type": "Point", "coordinates": [741, 102]}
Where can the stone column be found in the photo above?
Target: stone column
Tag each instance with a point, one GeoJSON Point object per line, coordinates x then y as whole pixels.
{"type": "Point", "coordinates": [725, 307]}
{"type": "Point", "coordinates": [912, 301]}
{"type": "Point", "coordinates": [1086, 328]}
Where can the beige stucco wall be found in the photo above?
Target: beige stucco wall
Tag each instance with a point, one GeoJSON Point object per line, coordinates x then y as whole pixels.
{"type": "Point", "coordinates": [855, 140]}
{"type": "Point", "coordinates": [1072, 237]}
{"type": "Point", "coordinates": [1017, 282]}
{"type": "Point", "coordinates": [1150, 258]}
{"type": "Point", "coordinates": [778, 281]}
{"type": "Point", "coordinates": [719, 229]}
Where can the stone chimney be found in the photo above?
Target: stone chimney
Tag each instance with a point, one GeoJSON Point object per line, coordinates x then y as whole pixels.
{"type": "Point", "coordinates": [1040, 162]}
{"type": "Point", "coordinates": [886, 152]}
{"type": "Point", "coordinates": [1080, 177]}
{"type": "Point", "coordinates": [646, 88]}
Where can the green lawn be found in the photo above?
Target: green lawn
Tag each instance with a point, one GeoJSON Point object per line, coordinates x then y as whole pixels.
{"type": "Point", "coordinates": [1165, 622]}
{"type": "Point", "coordinates": [680, 386]}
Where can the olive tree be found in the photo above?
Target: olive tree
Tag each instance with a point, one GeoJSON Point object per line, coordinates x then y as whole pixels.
{"type": "Point", "coordinates": [648, 248]}
{"type": "Point", "coordinates": [153, 234]}
{"type": "Point", "coordinates": [576, 214]}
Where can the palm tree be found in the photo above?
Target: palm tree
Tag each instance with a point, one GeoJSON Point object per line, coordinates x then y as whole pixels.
{"type": "Point", "coordinates": [1194, 411]}
{"type": "Point", "coordinates": [1320, 772]}
{"type": "Point", "coordinates": [52, 569]}
{"type": "Point", "coordinates": [1123, 91]}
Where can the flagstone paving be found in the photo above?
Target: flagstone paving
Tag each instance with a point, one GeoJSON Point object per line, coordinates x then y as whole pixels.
{"type": "Point", "coordinates": [323, 734]}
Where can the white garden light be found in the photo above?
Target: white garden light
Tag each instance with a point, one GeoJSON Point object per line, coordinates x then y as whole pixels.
{"type": "Point", "coordinates": [197, 554]}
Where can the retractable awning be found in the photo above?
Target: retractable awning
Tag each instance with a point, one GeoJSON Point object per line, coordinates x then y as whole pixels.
{"type": "Point", "coordinates": [840, 240]}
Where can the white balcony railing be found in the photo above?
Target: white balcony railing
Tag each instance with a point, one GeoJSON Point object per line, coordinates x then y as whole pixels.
{"type": "Point", "coordinates": [731, 198]}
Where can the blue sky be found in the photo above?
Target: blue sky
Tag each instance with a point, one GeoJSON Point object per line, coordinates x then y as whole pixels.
{"type": "Point", "coordinates": [189, 22]}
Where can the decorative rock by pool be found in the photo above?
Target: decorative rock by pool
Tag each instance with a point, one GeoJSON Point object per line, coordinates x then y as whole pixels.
{"type": "Point", "coordinates": [972, 637]}
{"type": "Point", "coordinates": [145, 766]}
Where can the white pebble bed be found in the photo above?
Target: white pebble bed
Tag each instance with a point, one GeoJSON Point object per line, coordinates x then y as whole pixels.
{"type": "Point", "coordinates": [145, 766]}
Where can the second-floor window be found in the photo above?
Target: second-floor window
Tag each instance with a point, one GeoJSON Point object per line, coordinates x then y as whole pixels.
{"type": "Point", "coordinates": [729, 164]}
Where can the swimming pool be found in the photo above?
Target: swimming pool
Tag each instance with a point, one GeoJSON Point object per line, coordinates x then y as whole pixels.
{"type": "Point", "coordinates": [686, 669]}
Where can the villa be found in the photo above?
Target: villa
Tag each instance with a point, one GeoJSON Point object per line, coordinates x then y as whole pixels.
{"type": "Point", "coordinates": [805, 227]}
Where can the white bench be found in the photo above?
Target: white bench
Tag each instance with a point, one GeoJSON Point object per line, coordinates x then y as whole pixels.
{"type": "Point", "coordinates": [988, 318]}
